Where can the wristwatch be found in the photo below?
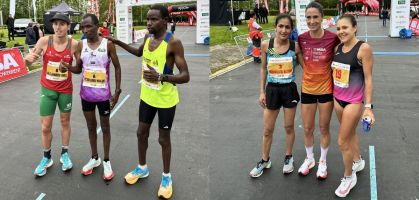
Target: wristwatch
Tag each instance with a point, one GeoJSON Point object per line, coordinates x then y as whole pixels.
{"type": "Point", "coordinates": [368, 105]}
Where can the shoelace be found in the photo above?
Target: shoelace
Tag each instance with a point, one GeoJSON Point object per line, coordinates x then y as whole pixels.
{"type": "Point", "coordinates": [165, 181]}
{"type": "Point", "coordinates": [260, 164]}
{"type": "Point", "coordinates": [44, 162]}
{"type": "Point", "coordinates": [66, 159]}
{"type": "Point", "coordinates": [137, 171]}
{"type": "Point", "coordinates": [287, 160]}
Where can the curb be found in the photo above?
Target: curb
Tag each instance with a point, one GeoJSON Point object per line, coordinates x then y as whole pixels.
{"type": "Point", "coordinates": [230, 68]}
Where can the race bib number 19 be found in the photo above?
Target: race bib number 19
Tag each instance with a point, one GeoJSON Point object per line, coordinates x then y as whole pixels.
{"type": "Point", "coordinates": [341, 74]}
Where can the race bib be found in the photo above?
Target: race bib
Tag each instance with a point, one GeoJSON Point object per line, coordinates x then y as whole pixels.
{"type": "Point", "coordinates": [341, 74]}
{"type": "Point", "coordinates": [153, 85]}
{"type": "Point", "coordinates": [280, 67]}
{"type": "Point", "coordinates": [94, 78]}
{"type": "Point", "coordinates": [53, 72]}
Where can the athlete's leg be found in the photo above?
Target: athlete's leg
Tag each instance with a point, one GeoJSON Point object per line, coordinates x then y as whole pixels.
{"type": "Point", "coordinates": [166, 117]}
{"type": "Point", "coordinates": [143, 132]}
{"type": "Point", "coordinates": [325, 114]}
{"type": "Point", "coordinates": [308, 114]}
{"type": "Point", "coordinates": [269, 119]}
{"type": "Point", "coordinates": [106, 130]}
{"type": "Point", "coordinates": [289, 116]}
{"type": "Point", "coordinates": [350, 116]}
{"type": "Point", "coordinates": [65, 128]}
{"type": "Point", "coordinates": [46, 136]}
{"type": "Point", "coordinates": [91, 122]}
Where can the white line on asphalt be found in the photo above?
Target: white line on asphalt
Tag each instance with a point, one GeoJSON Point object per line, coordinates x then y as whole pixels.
{"type": "Point", "coordinates": [41, 196]}
{"type": "Point", "coordinates": [98, 130]}
{"type": "Point", "coordinates": [373, 180]}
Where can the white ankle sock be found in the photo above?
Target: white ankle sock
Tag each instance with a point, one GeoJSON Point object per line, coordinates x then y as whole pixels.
{"type": "Point", "coordinates": [168, 174]}
{"type": "Point", "coordinates": [323, 154]}
{"type": "Point", "coordinates": [309, 151]}
{"type": "Point", "coordinates": [142, 166]}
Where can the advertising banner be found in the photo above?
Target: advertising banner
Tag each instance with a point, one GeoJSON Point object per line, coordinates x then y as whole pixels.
{"type": "Point", "coordinates": [300, 14]}
{"type": "Point", "coordinates": [399, 16]}
{"type": "Point", "coordinates": [203, 21]}
{"type": "Point", "coordinates": [11, 65]}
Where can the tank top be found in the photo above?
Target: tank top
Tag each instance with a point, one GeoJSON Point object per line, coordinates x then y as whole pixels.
{"type": "Point", "coordinates": [95, 85]}
{"type": "Point", "coordinates": [281, 67]}
{"type": "Point", "coordinates": [317, 55]}
{"type": "Point", "coordinates": [158, 94]}
{"type": "Point", "coordinates": [51, 77]}
{"type": "Point", "coordinates": [348, 75]}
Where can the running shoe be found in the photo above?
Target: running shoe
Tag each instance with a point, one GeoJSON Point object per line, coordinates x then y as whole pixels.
{"type": "Point", "coordinates": [346, 185]}
{"type": "Point", "coordinates": [41, 169]}
{"type": "Point", "coordinates": [358, 166]}
{"type": "Point", "coordinates": [88, 168]}
{"type": "Point", "coordinates": [258, 170]}
{"type": "Point", "coordinates": [136, 174]}
{"type": "Point", "coordinates": [165, 190]}
{"type": "Point", "coordinates": [306, 166]}
{"type": "Point", "coordinates": [322, 170]}
{"type": "Point", "coordinates": [288, 165]}
{"type": "Point", "coordinates": [65, 160]}
{"type": "Point", "coordinates": [107, 171]}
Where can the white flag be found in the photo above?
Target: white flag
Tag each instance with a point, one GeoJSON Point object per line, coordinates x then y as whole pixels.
{"type": "Point", "coordinates": [12, 7]}
{"type": "Point", "coordinates": [34, 8]}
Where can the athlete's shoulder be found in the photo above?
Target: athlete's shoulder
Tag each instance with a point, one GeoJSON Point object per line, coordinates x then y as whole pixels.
{"type": "Point", "coordinates": [304, 36]}
{"type": "Point", "coordinates": [173, 41]}
{"type": "Point", "coordinates": [365, 47]}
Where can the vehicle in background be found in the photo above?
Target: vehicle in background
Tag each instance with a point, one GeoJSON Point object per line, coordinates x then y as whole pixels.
{"type": "Point", "coordinates": [21, 25]}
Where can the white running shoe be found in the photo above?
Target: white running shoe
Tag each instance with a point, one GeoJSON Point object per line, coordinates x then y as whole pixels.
{"type": "Point", "coordinates": [107, 171]}
{"type": "Point", "coordinates": [322, 170]}
{"type": "Point", "coordinates": [288, 165]}
{"type": "Point", "coordinates": [306, 166]}
{"type": "Point", "coordinates": [346, 185]}
{"type": "Point", "coordinates": [258, 170]}
{"type": "Point", "coordinates": [358, 166]}
{"type": "Point", "coordinates": [88, 168]}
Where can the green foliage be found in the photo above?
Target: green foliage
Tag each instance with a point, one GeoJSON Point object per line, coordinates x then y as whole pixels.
{"type": "Point", "coordinates": [330, 11]}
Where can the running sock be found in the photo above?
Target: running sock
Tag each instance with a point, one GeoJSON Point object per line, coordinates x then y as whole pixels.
{"type": "Point", "coordinates": [288, 156]}
{"type": "Point", "coordinates": [360, 159]}
{"type": "Point", "coordinates": [64, 149]}
{"type": "Point", "coordinates": [106, 159]}
{"type": "Point", "coordinates": [323, 154]}
{"type": "Point", "coordinates": [47, 153]}
{"type": "Point", "coordinates": [142, 166]}
{"type": "Point", "coordinates": [309, 151]}
{"type": "Point", "coordinates": [95, 157]}
{"type": "Point", "coordinates": [266, 160]}
{"type": "Point", "coordinates": [167, 175]}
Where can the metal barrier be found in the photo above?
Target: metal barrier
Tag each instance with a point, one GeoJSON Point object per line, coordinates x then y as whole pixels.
{"type": "Point", "coordinates": [243, 42]}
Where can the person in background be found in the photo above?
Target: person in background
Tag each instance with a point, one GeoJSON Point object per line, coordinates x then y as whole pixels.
{"type": "Point", "coordinates": [104, 30]}
{"type": "Point", "coordinates": [173, 27]}
{"type": "Point", "coordinates": [255, 34]}
{"type": "Point", "coordinates": [30, 35]}
{"type": "Point", "coordinates": [10, 27]}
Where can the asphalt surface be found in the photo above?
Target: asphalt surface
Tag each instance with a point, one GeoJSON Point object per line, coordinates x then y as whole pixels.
{"type": "Point", "coordinates": [21, 151]}
{"type": "Point", "coordinates": [236, 132]}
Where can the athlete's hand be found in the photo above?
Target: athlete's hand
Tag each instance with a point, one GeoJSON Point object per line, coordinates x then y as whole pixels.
{"type": "Point", "coordinates": [368, 112]}
{"type": "Point", "coordinates": [31, 57]}
{"type": "Point", "coordinates": [114, 99]}
{"type": "Point", "coordinates": [262, 100]}
{"type": "Point", "coordinates": [151, 75]}
{"type": "Point", "coordinates": [64, 67]}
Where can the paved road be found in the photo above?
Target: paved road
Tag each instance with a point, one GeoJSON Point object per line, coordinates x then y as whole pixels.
{"type": "Point", "coordinates": [236, 129]}
{"type": "Point", "coordinates": [20, 144]}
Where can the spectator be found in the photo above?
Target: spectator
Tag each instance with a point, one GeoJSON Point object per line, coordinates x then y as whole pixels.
{"type": "Point", "coordinates": [257, 13]}
{"type": "Point", "coordinates": [30, 35]}
{"type": "Point", "coordinates": [10, 27]}
{"type": "Point", "coordinates": [104, 30]}
{"type": "Point", "coordinates": [384, 14]}
{"type": "Point", "coordinates": [38, 31]}
{"type": "Point", "coordinates": [173, 27]}
{"type": "Point", "coordinates": [264, 14]}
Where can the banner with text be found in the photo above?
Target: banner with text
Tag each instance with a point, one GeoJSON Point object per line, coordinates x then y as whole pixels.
{"type": "Point", "coordinates": [399, 17]}
{"type": "Point", "coordinates": [300, 14]}
{"type": "Point", "coordinates": [11, 65]}
{"type": "Point", "coordinates": [203, 22]}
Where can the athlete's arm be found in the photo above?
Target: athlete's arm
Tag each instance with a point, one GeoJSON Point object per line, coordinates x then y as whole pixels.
{"type": "Point", "coordinates": [134, 51]}
{"type": "Point", "coordinates": [78, 46]}
{"type": "Point", "coordinates": [179, 56]}
{"type": "Point", "coordinates": [262, 74]}
{"type": "Point", "coordinates": [365, 56]}
{"type": "Point", "coordinates": [37, 52]}
{"type": "Point", "coordinates": [117, 65]}
{"type": "Point", "coordinates": [299, 54]}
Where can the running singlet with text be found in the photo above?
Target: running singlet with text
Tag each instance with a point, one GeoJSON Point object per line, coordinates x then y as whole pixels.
{"type": "Point", "coordinates": [281, 67]}
{"type": "Point", "coordinates": [95, 85]}
{"type": "Point", "coordinates": [348, 75]}
{"type": "Point", "coordinates": [158, 94]}
{"type": "Point", "coordinates": [318, 55]}
{"type": "Point", "coordinates": [52, 78]}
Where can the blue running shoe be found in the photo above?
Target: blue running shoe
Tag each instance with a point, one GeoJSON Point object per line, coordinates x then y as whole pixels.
{"type": "Point", "coordinates": [41, 169]}
{"type": "Point", "coordinates": [136, 174]}
{"type": "Point", "coordinates": [166, 189]}
{"type": "Point", "coordinates": [65, 160]}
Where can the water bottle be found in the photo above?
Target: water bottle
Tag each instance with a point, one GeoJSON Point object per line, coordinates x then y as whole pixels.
{"type": "Point", "coordinates": [366, 124]}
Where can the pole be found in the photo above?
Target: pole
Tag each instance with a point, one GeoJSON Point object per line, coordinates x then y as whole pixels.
{"type": "Point", "coordinates": [232, 14]}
